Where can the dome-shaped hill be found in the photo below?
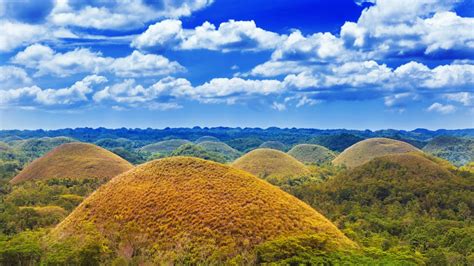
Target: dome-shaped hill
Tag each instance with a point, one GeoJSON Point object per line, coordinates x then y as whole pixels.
{"type": "Point", "coordinates": [189, 207]}
{"type": "Point", "coordinates": [457, 150]}
{"type": "Point", "coordinates": [207, 138]}
{"type": "Point", "coordinates": [76, 161]}
{"type": "Point", "coordinates": [165, 146]}
{"type": "Point", "coordinates": [312, 153]}
{"type": "Point", "coordinates": [365, 150]}
{"type": "Point", "coordinates": [37, 147]}
{"type": "Point", "coordinates": [221, 148]}
{"type": "Point", "coordinates": [270, 163]}
{"type": "Point", "coordinates": [276, 145]}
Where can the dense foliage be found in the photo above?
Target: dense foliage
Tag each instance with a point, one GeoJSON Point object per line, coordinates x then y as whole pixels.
{"type": "Point", "coordinates": [458, 151]}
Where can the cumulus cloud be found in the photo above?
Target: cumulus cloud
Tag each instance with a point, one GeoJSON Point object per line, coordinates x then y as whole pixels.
{"type": "Point", "coordinates": [11, 76]}
{"type": "Point", "coordinates": [231, 35]}
{"type": "Point", "coordinates": [441, 108]}
{"type": "Point", "coordinates": [465, 98]}
{"type": "Point", "coordinates": [82, 60]}
{"type": "Point", "coordinates": [15, 34]}
{"type": "Point", "coordinates": [78, 92]}
{"type": "Point", "coordinates": [120, 15]}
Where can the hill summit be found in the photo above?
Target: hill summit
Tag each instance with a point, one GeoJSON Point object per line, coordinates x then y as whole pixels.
{"type": "Point", "coordinates": [312, 153]}
{"type": "Point", "coordinates": [76, 161]}
{"type": "Point", "coordinates": [368, 149]}
{"type": "Point", "coordinates": [186, 207]}
{"type": "Point", "coordinates": [270, 163]}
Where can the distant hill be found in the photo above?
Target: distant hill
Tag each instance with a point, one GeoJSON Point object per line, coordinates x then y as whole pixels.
{"type": "Point", "coordinates": [273, 145]}
{"type": "Point", "coordinates": [190, 210]}
{"type": "Point", "coordinates": [312, 153]}
{"type": "Point", "coordinates": [76, 161]}
{"type": "Point", "coordinates": [35, 148]}
{"type": "Point", "coordinates": [336, 142]}
{"type": "Point", "coordinates": [197, 151]}
{"type": "Point", "coordinates": [368, 149]}
{"type": "Point", "coordinates": [166, 146]}
{"type": "Point", "coordinates": [457, 150]}
{"type": "Point", "coordinates": [109, 143]}
{"type": "Point", "coordinates": [206, 138]}
{"type": "Point", "coordinates": [267, 163]}
{"type": "Point", "coordinates": [229, 153]}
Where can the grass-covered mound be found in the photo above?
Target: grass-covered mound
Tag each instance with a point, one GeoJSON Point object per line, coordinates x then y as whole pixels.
{"type": "Point", "coordinates": [193, 150]}
{"type": "Point", "coordinates": [312, 153]}
{"type": "Point", "coordinates": [165, 147]}
{"type": "Point", "coordinates": [270, 163]}
{"type": "Point", "coordinates": [226, 151]}
{"type": "Point", "coordinates": [185, 210]}
{"type": "Point", "coordinates": [457, 150]}
{"type": "Point", "coordinates": [276, 145]}
{"type": "Point", "coordinates": [402, 202]}
{"type": "Point", "coordinates": [336, 142]}
{"type": "Point", "coordinates": [75, 161]}
{"type": "Point", "coordinates": [206, 138]}
{"type": "Point", "coordinates": [368, 149]}
{"type": "Point", "coordinates": [37, 147]}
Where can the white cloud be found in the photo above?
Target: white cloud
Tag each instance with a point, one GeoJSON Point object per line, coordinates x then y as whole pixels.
{"type": "Point", "coordinates": [11, 76]}
{"type": "Point", "coordinates": [82, 60]}
{"type": "Point", "coordinates": [276, 68]}
{"type": "Point", "coordinates": [78, 92]}
{"type": "Point", "coordinates": [440, 108]}
{"type": "Point", "coordinates": [399, 99]}
{"type": "Point", "coordinates": [278, 106]}
{"type": "Point", "coordinates": [15, 34]}
{"type": "Point", "coordinates": [231, 35]}
{"type": "Point", "coordinates": [466, 98]}
{"type": "Point", "coordinates": [120, 15]}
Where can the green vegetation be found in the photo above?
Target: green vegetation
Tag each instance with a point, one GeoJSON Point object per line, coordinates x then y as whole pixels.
{"type": "Point", "coordinates": [224, 150]}
{"type": "Point", "coordinates": [312, 154]}
{"type": "Point", "coordinates": [368, 149]}
{"type": "Point", "coordinates": [197, 151]}
{"type": "Point", "coordinates": [76, 161]}
{"type": "Point", "coordinates": [276, 145]}
{"type": "Point", "coordinates": [206, 138]}
{"type": "Point", "coordinates": [245, 144]}
{"type": "Point", "coordinates": [336, 142]}
{"type": "Point", "coordinates": [132, 156]}
{"type": "Point", "coordinates": [401, 203]}
{"type": "Point", "coordinates": [165, 147]}
{"type": "Point", "coordinates": [35, 148]}
{"type": "Point", "coordinates": [459, 151]}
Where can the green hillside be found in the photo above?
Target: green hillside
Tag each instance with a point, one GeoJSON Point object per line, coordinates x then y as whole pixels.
{"type": "Point", "coordinates": [312, 154]}
{"type": "Point", "coordinates": [457, 150]}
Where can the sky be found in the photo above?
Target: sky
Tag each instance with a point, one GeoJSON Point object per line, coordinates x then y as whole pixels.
{"type": "Point", "coordinates": [373, 64]}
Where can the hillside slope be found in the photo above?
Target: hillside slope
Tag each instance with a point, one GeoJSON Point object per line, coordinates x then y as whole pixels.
{"type": "Point", "coordinates": [221, 148]}
{"type": "Point", "coordinates": [195, 209]}
{"type": "Point", "coordinates": [368, 149]}
{"type": "Point", "coordinates": [165, 147]}
{"type": "Point", "coordinates": [76, 161]}
{"type": "Point", "coordinates": [457, 150]}
{"type": "Point", "coordinates": [312, 153]}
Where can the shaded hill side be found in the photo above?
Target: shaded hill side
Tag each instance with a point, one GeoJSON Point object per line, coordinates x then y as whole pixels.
{"type": "Point", "coordinates": [336, 142]}
{"type": "Point", "coordinates": [76, 161]}
{"type": "Point", "coordinates": [221, 148]}
{"type": "Point", "coordinates": [457, 150]}
{"type": "Point", "coordinates": [368, 149]}
{"type": "Point", "coordinates": [267, 163]}
{"type": "Point", "coordinates": [273, 145]}
{"type": "Point", "coordinates": [214, 211]}
{"type": "Point", "coordinates": [312, 153]}
{"type": "Point", "coordinates": [165, 147]}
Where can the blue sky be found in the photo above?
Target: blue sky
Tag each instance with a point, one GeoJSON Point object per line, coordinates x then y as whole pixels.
{"type": "Point", "coordinates": [304, 63]}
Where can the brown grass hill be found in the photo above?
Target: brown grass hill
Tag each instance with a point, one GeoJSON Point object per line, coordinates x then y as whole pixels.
{"type": "Point", "coordinates": [183, 210]}
{"type": "Point", "coordinates": [76, 161]}
{"type": "Point", "coordinates": [165, 147]}
{"type": "Point", "coordinates": [312, 154]}
{"type": "Point", "coordinates": [273, 145]}
{"type": "Point", "coordinates": [368, 149]}
{"type": "Point", "coordinates": [270, 163]}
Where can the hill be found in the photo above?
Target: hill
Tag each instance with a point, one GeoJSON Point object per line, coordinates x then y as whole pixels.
{"type": "Point", "coordinates": [312, 153]}
{"type": "Point", "coordinates": [191, 211]}
{"type": "Point", "coordinates": [226, 151]}
{"type": "Point", "coordinates": [76, 161]}
{"type": "Point", "coordinates": [400, 197]}
{"type": "Point", "coordinates": [206, 138]}
{"type": "Point", "coordinates": [34, 148]}
{"type": "Point", "coordinates": [165, 147]}
{"type": "Point", "coordinates": [266, 163]}
{"type": "Point", "coordinates": [193, 150]}
{"type": "Point", "coordinates": [365, 150]}
{"type": "Point", "coordinates": [276, 145]}
{"type": "Point", "coordinates": [457, 150]}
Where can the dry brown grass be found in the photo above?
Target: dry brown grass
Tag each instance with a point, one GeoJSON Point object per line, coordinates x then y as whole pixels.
{"type": "Point", "coordinates": [368, 149]}
{"type": "Point", "coordinates": [266, 163]}
{"type": "Point", "coordinates": [76, 161]}
{"type": "Point", "coordinates": [197, 207]}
